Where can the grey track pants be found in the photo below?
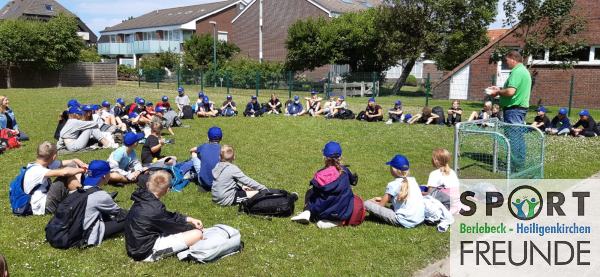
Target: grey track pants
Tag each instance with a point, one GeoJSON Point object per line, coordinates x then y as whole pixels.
{"type": "Point", "coordinates": [384, 213]}
{"type": "Point", "coordinates": [84, 138]}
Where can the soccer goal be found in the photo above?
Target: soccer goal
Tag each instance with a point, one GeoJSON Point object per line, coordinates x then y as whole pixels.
{"type": "Point", "coordinates": [492, 149]}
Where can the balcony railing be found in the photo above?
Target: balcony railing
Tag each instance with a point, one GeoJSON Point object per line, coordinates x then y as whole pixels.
{"type": "Point", "coordinates": [139, 47]}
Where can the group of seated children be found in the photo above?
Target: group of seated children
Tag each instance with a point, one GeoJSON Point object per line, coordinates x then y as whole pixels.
{"type": "Point", "coordinates": [84, 126]}
{"type": "Point", "coordinates": [561, 125]}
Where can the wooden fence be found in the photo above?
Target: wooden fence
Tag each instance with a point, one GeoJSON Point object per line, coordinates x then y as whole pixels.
{"type": "Point", "coordinates": [73, 75]}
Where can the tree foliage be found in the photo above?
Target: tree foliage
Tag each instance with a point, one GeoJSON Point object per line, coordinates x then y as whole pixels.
{"type": "Point", "coordinates": [243, 72]}
{"type": "Point", "coordinates": [545, 25]}
{"type": "Point", "coordinates": [49, 45]}
{"type": "Point", "coordinates": [90, 55]}
{"type": "Point", "coordinates": [199, 51]}
{"type": "Point", "coordinates": [447, 31]}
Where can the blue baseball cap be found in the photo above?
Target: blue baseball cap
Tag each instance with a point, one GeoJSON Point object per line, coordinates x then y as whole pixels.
{"type": "Point", "coordinates": [399, 162]}
{"type": "Point", "coordinates": [229, 97]}
{"type": "Point", "coordinates": [407, 117]}
{"type": "Point", "coordinates": [541, 109]}
{"type": "Point", "coordinates": [332, 150]}
{"type": "Point", "coordinates": [342, 97]}
{"type": "Point", "coordinates": [201, 94]}
{"type": "Point", "coordinates": [180, 90]}
{"type": "Point", "coordinates": [121, 101]}
{"type": "Point", "coordinates": [313, 92]}
{"type": "Point", "coordinates": [96, 171]}
{"type": "Point", "coordinates": [137, 99]}
{"type": "Point", "coordinates": [160, 109]}
{"type": "Point", "coordinates": [205, 99]}
{"type": "Point", "coordinates": [73, 103]}
{"type": "Point", "coordinates": [398, 103]}
{"type": "Point", "coordinates": [87, 108]}
{"type": "Point", "coordinates": [105, 104]}
{"type": "Point", "coordinates": [253, 97]}
{"type": "Point", "coordinates": [584, 113]}
{"type": "Point", "coordinates": [95, 107]}
{"type": "Point", "coordinates": [296, 97]}
{"type": "Point", "coordinates": [372, 99]}
{"type": "Point", "coordinates": [141, 101]}
{"type": "Point", "coordinates": [132, 138]}
{"type": "Point", "coordinates": [133, 115]}
{"type": "Point", "coordinates": [149, 103]}
{"type": "Point", "coordinates": [562, 111]}
{"type": "Point", "coordinates": [215, 133]}
{"type": "Point", "coordinates": [75, 110]}
{"type": "Point", "coordinates": [165, 98]}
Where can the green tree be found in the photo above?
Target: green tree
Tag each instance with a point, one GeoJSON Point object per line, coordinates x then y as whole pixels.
{"type": "Point", "coordinates": [199, 51]}
{"type": "Point", "coordinates": [89, 54]}
{"type": "Point", "coordinates": [351, 39]}
{"type": "Point", "coordinates": [63, 45]}
{"type": "Point", "coordinates": [18, 43]}
{"type": "Point", "coordinates": [448, 31]}
{"type": "Point", "coordinates": [545, 25]}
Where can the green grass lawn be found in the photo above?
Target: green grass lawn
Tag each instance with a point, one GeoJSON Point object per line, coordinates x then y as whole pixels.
{"type": "Point", "coordinates": [279, 152]}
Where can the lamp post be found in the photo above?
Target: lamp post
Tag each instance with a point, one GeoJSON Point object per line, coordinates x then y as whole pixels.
{"type": "Point", "coordinates": [214, 23]}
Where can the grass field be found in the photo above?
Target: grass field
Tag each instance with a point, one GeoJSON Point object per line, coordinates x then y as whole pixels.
{"type": "Point", "coordinates": [279, 152]}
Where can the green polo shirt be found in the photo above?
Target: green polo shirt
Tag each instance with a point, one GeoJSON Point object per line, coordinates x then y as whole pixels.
{"type": "Point", "coordinates": [519, 79]}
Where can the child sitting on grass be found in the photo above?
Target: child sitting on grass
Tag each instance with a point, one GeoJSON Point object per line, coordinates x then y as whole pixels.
{"type": "Point", "coordinates": [206, 156]}
{"type": "Point", "coordinates": [443, 183]}
{"type": "Point", "coordinates": [396, 113]}
{"type": "Point", "coordinates": [231, 186]}
{"type": "Point", "coordinates": [560, 124]}
{"type": "Point", "coordinates": [404, 194]}
{"type": "Point", "coordinates": [151, 151]}
{"type": "Point", "coordinates": [454, 113]}
{"type": "Point", "coordinates": [426, 117]}
{"type": "Point", "coordinates": [124, 165]}
{"type": "Point", "coordinates": [541, 121]}
{"type": "Point", "coordinates": [483, 114]}
{"type": "Point", "coordinates": [586, 126]}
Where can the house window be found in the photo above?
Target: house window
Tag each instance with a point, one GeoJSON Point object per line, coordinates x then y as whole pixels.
{"type": "Point", "coordinates": [596, 53]}
{"type": "Point", "coordinates": [583, 55]}
{"type": "Point", "coordinates": [539, 55]}
{"type": "Point", "coordinates": [49, 7]}
{"type": "Point", "coordinates": [222, 36]}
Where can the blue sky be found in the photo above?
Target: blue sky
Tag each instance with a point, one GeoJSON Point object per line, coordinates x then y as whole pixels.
{"type": "Point", "coordinates": [98, 14]}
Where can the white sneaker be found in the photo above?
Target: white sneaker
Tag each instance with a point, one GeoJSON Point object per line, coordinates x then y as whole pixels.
{"type": "Point", "coordinates": [113, 146]}
{"type": "Point", "coordinates": [302, 218]}
{"type": "Point", "coordinates": [389, 122]}
{"type": "Point", "coordinates": [326, 224]}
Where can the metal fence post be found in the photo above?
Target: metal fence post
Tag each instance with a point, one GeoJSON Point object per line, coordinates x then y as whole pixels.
{"type": "Point", "coordinates": [427, 89]}
{"type": "Point", "coordinates": [157, 79]}
{"type": "Point", "coordinates": [571, 91]}
{"type": "Point", "coordinates": [201, 80]}
{"type": "Point", "coordinates": [290, 84]}
{"type": "Point", "coordinates": [257, 82]}
{"type": "Point", "coordinates": [374, 90]}
{"type": "Point", "coordinates": [139, 80]}
{"type": "Point", "coordinates": [328, 88]}
{"type": "Point", "coordinates": [178, 76]}
{"type": "Point", "coordinates": [228, 81]}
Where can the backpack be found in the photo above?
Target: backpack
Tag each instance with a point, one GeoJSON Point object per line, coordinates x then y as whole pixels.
{"type": "Point", "coordinates": [219, 241]}
{"type": "Point", "coordinates": [270, 202]}
{"type": "Point", "coordinates": [188, 112]}
{"type": "Point", "coordinates": [65, 229]}
{"type": "Point", "coordinates": [345, 114]}
{"type": "Point", "coordinates": [178, 172]}
{"type": "Point", "coordinates": [11, 137]}
{"type": "Point", "coordinates": [440, 112]}
{"type": "Point", "coordinates": [359, 212]}
{"type": "Point", "coordinates": [19, 200]}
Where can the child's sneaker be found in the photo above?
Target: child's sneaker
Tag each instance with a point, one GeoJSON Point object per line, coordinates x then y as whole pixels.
{"type": "Point", "coordinates": [302, 218]}
{"type": "Point", "coordinates": [389, 122]}
{"type": "Point", "coordinates": [326, 224]}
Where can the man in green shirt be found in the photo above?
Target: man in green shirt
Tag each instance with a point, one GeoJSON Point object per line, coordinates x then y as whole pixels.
{"type": "Point", "coordinates": [514, 97]}
{"type": "Point", "coordinates": [514, 100]}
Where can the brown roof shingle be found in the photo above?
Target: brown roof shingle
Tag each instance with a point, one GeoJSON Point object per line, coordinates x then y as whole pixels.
{"type": "Point", "coordinates": [17, 8]}
{"type": "Point", "coordinates": [169, 17]}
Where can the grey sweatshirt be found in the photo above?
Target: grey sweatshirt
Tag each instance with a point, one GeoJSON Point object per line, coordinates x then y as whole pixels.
{"type": "Point", "coordinates": [228, 179]}
{"type": "Point", "coordinates": [73, 128]}
{"type": "Point", "coordinates": [99, 203]}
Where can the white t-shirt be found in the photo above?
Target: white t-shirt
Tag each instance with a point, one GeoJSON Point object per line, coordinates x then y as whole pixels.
{"type": "Point", "coordinates": [412, 209]}
{"type": "Point", "coordinates": [449, 184]}
{"type": "Point", "coordinates": [36, 175]}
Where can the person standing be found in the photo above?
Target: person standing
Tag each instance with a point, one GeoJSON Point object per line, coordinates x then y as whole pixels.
{"type": "Point", "coordinates": [514, 97]}
{"type": "Point", "coordinates": [514, 101]}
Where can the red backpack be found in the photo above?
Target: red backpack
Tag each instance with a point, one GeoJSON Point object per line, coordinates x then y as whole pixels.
{"type": "Point", "coordinates": [10, 138]}
{"type": "Point", "coordinates": [358, 212]}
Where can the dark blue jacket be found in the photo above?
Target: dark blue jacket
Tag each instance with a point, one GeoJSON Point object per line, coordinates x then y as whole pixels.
{"type": "Point", "coordinates": [565, 123]}
{"type": "Point", "coordinates": [294, 108]}
{"type": "Point", "coordinates": [334, 200]}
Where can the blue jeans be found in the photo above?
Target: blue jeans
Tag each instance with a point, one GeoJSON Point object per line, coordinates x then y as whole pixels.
{"type": "Point", "coordinates": [518, 149]}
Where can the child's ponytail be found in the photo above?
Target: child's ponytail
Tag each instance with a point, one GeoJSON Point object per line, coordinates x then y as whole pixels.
{"type": "Point", "coordinates": [403, 190]}
{"type": "Point", "coordinates": [441, 160]}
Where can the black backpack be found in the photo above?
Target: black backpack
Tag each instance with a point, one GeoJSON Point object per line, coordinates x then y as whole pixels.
{"type": "Point", "coordinates": [188, 112]}
{"type": "Point", "coordinates": [345, 114]}
{"type": "Point", "coordinates": [65, 229]}
{"type": "Point", "coordinates": [440, 112]}
{"type": "Point", "coordinates": [270, 202]}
